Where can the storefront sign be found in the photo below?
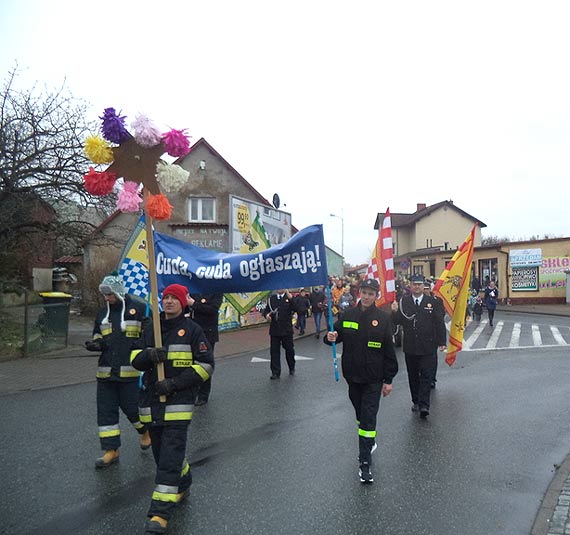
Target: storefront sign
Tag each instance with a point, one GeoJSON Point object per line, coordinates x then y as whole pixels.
{"type": "Point", "coordinates": [553, 272]}
{"type": "Point", "coordinates": [525, 258]}
{"type": "Point", "coordinates": [524, 279]}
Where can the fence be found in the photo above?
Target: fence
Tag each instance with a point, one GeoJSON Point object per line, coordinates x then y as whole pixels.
{"type": "Point", "coordinates": [30, 329]}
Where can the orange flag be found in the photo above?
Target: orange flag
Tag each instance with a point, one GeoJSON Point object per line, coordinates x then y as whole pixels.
{"type": "Point", "coordinates": [453, 289]}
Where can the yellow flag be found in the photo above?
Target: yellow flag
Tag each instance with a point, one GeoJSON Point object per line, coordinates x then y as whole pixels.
{"type": "Point", "coordinates": [453, 289]}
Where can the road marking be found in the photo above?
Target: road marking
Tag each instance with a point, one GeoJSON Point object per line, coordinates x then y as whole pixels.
{"type": "Point", "coordinates": [257, 359]}
{"type": "Point", "coordinates": [492, 343]}
{"type": "Point", "coordinates": [516, 335]}
{"type": "Point", "coordinates": [557, 336]}
{"type": "Point", "coordinates": [297, 357]}
{"type": "Point", "coordinates": [474, 335]}
{"type": "Point", "coordinates": [536, 338]}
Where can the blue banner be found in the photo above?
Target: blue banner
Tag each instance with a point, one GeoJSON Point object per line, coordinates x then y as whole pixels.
{"type": "Point", "coordinates": [300, 261]}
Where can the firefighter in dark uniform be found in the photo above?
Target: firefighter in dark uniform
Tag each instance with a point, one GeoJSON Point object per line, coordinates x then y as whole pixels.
{"type": "Point", "coordinates": [188, 362]}
{"type": "Point", "coordinates": [204, 310]}
{"type": "Point", "coordinates": [279, 310]}
{"type": "Point", "coordinates": [369, 365]}
{"type": "Point", "coordinates": [422, 318]}
{"type": "Point", "coordinates": [117, 328]}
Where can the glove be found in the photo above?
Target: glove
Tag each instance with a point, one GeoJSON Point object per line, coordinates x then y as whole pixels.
{"type": "Point", "coordinates": [94, 345]}
{"type": "Point", "coordinates": [157, 354]}
{"type": "Point", "coordinates": [165, 387]}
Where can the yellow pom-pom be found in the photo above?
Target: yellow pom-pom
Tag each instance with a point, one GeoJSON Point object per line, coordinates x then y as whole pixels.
{"type": "Point", "coordinates": [98, 150]}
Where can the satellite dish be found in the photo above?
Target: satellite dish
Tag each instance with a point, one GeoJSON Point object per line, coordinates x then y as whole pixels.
{"type": "Point", "coordinates": [276, 201]}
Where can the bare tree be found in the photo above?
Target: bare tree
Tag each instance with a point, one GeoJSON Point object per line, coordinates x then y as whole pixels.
{"type": "Point", "coordinates": [42, 166]}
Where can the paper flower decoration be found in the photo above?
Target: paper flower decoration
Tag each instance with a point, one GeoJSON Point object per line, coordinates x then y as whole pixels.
{"type": "Point", "coordinates": [136, 159]}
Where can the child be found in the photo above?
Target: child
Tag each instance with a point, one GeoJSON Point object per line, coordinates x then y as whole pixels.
{"type": "Point", "coordinates": [478, 308]}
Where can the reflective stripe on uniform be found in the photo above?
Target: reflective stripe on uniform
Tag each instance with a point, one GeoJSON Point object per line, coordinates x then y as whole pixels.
{"type": "Point", "coordinates": [376, 345]}
{"type": "Point", "coordinates": [165, 493]}
{"type": "Point", "coordinates": [133, 328]}
{"type": "Point", "coordinates": [106, 331]}
{"type": "Point", "coordinates": [128, 371]}
{"type": "Point", "coordinates": [177, 412]}
{"type": "Point", "coordinates": [145, 415]}
{"type": "Point", "coordinates": [134, 353]}
{"type": "Point", "coordinates": [203, 370]}
{"type": "Point", "coordinates": [186, 468]}
{"type": "Point", "coordinates": [97, 336]}
{"type": "Point", "coordinates": [106, 431]}
{"type": "Point", "coordinates": [138, 425]}
{"type": "Point", "coordinates": [180, 352]}
{"type": "Point", "coordinates": [103, 372]}
{"type": "Point", "coordinates": [366, 434]}
{"type": "Point", "coordinates": [350, 325]}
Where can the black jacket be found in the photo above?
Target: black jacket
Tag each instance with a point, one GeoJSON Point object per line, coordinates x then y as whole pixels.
{"type": "Point", "coordinates": [317, 301]}
{"type": "Point", "coordinates": [368, 354]}
{"type": "Point", "coordinates": [282, 317]}
{"type": "Point", "coordinates": [114, 362]}
{"type": "Point", "coordinates": [205, 312]}
{"type": "Point", "coordinates": [190, 362]}
{"type": "Point", "coordinates": [424, 327]}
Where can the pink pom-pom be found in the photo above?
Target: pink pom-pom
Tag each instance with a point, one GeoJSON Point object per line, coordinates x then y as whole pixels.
{"type": "Point", "coordinates": [177, 143]}
{"type": "Point", "coordinates": [146, 133]}
{"type": "Point", "coordinates": [129, 199]}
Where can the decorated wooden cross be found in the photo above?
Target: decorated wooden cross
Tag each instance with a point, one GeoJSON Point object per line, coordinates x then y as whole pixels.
{"type": "Point", "coordinates": [136, 158]}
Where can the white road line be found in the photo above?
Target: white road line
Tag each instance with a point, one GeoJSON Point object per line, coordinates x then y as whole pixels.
{"type": "Point", "coordinates": [557, 336]}
{"type": "Point", "coordinates": [474, 335]}
{"type": "Point", "coordinates": [516, 335]}
{"type": "Point", "coordinates": [536, 338]}
{"type": "Point", "coordinates": [492, 343]}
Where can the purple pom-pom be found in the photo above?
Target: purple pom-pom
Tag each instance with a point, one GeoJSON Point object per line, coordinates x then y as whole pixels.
{"type": "Point", "coordinates": [176, 143]}
{"type": "Point", "coordinates": [113, 127]}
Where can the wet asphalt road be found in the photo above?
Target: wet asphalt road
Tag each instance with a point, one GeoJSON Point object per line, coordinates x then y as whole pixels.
{"type": "Point", "coordinates": [279, 457]}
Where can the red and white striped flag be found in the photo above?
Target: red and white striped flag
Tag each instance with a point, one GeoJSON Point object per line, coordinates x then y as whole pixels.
{"type": "Point", "coordinates": [381, 266]}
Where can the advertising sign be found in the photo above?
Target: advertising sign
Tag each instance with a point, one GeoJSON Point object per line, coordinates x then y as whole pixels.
{"type": "Point", "coordinates": [524, 279]}
{"type": "Point", "coordinates": [525, 258]}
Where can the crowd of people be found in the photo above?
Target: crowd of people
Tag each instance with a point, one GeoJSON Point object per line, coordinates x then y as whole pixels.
{"type": "Point", "coordinates": [176, 358]}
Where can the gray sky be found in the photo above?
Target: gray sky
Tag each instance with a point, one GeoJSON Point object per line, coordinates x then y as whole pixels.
{"type": "Point", "coordinates": [345, 108]}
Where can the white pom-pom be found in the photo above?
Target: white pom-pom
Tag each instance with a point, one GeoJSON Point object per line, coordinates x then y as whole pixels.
{"type": "Point", "coordinates": [171, 177]}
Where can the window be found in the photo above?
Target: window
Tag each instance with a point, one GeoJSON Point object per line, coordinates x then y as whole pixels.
{"type": "Point", "coordinates": [202, 209]}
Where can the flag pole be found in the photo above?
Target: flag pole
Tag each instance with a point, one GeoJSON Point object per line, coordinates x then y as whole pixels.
{"type": "Point", "coordinates": [153, 292]}
{"type": "Point", "coordinates": [331, 327]}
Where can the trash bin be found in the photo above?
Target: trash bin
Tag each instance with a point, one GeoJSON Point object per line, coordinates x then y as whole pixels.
{"type": "Point", "coordinates": [55, 319]}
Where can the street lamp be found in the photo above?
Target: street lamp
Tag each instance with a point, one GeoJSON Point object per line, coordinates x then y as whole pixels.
{"type": "Point", "coordinates": [342, 233]}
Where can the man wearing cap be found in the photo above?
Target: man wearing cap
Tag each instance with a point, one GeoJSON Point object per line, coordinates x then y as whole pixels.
{"type": "Point", "coordinates": [279, 311]}
{"type": "Point", "coordinates": [117, 328]}
{"type": "Point", "coordinates": [188, 361]}
{"type": "Point", "coordinates": [369, 365]}
{"type": "Point", "coordinates": [421, 316]}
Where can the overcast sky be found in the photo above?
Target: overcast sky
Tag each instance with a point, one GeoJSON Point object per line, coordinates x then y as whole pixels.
{"type": "Point", "coordinates": [339, 107]}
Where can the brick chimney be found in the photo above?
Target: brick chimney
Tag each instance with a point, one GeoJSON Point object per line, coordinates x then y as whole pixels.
{"type": "Point", "coordinates": [420, 207]}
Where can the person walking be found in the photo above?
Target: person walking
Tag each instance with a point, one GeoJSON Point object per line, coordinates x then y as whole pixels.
{"type": "Point", "coordinates": [188, 362]}
{"type": "Point", "coordinates": [428, 287]}
{"type": "Point", "coordinates": [491, 296]}
{"type": "Point", "coordinates": [204, 310]}
{"type": "Point", "coordinates": [303, 304]}
{"type": "Point", "coordinates": [421, 316]}
{"type": "Point", "coordinates": [279, 310]}
{"type": "Point", "coordinates": [369, 365]}
{"type": "Point", "coordinates": [318, 305]}
{"type": "Point", "coordinates": [117, 327]}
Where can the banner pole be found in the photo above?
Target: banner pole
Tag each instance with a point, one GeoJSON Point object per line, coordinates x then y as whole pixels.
{"type": "Point", "coordinates": [154, 293]}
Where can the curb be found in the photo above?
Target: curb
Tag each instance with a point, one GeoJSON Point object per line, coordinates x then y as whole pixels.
{"type": "Point", "coordinates": [547, 510]}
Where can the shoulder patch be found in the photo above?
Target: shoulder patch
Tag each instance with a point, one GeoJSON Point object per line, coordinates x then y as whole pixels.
{"type": "Point", "coordinates": [181, 332]}
{"type": "Point", "coordinates": [374, 323]}
{"type": "Point", "coordinates": [203, 300]}
{"type": "Point", "coordinates": [132, 311]}
{"type": "Point", "coordinates": [203, 347]}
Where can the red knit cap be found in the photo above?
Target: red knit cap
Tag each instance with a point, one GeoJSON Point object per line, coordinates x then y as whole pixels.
{"type": "Point", "coordinates": [178, 291]}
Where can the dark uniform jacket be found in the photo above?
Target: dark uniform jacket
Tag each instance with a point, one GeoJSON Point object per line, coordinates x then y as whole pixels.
{"type": "Point", "coordinates": [424, 327]}
{"type": "Point", "coordinates": [368, 354]}
{"type": "Point", "coordinates": [281, 321]}
{"type": "Point", "coordinates": [205, 313]}
{"type": "Point", "coordinates": [317, 301]}
{"type": "Point", "coordinates": [114, 362]}
{"type": "Point", "coordinates": [190, 362]}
